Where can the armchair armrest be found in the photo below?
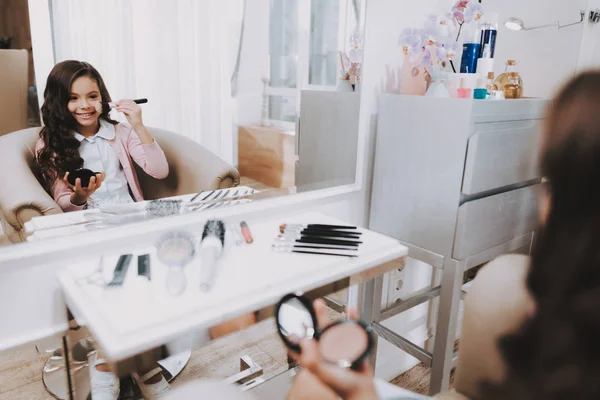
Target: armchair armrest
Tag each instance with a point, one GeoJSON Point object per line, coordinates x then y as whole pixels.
{"type": "Point", "coordinates": [192, 168]}
{"type": "Point", "coordinates": [21, 195]}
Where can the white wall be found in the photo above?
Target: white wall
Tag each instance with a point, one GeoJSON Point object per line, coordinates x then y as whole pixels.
{"type": "Point", "coordinates": [547, 57]}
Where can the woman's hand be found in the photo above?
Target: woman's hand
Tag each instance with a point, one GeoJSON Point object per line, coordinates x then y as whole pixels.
{"type": "Point", "coordinates": [132, 111]}
{"type": "Point", "coordinates": [346, 383]}
{"type": "Point", "coordinates": [80, 194]}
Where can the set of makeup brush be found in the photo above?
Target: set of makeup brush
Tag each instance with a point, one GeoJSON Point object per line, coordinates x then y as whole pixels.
{"type": "Point", "coordinates": [330, 240]}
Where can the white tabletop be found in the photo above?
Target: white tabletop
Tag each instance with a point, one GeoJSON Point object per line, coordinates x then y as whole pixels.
{"type": "Point", "coordinates": [141, 315]}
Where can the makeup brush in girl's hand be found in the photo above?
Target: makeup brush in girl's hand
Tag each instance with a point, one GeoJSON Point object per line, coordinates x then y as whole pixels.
{"type": "Point", "coordinates": [112, 104]}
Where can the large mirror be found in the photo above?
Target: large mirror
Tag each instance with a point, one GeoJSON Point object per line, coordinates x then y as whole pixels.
{"type": "Point", "coordinates": [245, 98]}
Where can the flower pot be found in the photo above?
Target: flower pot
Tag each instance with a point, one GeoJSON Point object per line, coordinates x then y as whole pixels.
{"type": "Point", "coordinates": [438, 85]}
{"type": "Point", "coordinates": [412, 78]}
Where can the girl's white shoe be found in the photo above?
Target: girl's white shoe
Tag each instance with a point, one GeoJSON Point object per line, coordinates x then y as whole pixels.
{"type": "Point", "coordinates": [104, 385]}
{"type": "Point", "coordinates": [157, 390]}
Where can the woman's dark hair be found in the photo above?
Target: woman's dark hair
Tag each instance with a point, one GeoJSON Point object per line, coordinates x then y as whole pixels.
{"type": "Point", "coordinates": [60, 152]}
{"type": "Point", "coordinates": [556, 353]}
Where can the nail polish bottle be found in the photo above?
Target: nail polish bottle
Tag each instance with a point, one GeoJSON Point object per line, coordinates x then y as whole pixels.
{"type": "Point", "coordinates": [463, 91]}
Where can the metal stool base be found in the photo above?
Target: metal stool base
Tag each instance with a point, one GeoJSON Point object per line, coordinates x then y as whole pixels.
{"type": "Point", "coordinates": [54, 375]}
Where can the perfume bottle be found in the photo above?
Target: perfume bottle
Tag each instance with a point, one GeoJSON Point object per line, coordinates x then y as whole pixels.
{"type": "Point", "coordinates": [513, 89]}
{"type": "Point", "coordinates": [502, 80]}
{"type": "Point", "coordinates": [491, 87]}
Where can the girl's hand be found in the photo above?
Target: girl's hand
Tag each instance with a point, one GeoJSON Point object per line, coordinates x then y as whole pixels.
{"type": "Point", "coordinates": [132, 111]}
{"type": "Point", "coordinates": [80, 194]}
{"type": "Point", "coordinates": [346, 383]}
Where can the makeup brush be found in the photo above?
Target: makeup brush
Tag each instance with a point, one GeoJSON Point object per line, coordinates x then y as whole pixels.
{"type": "Point", "coordinates": [316, 226]}
{"type": "Point", "coordinates": [331, 234]}
{"type": "Point", "coordinates": [308, 239]}
{"type": "Point", "coordinates": [319, 229]}
{"type": "Point", "coordinates": [196, 196]}
{"type": "Point", "coordinates": [112, 104]}
{"type": "Point", "coordinates": [312, 246]}
{"type": "Point", "coordinates": [316, 252]}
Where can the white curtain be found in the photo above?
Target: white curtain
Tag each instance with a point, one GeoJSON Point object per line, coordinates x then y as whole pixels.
{"type": "Point", "coordinates": [177, 53]}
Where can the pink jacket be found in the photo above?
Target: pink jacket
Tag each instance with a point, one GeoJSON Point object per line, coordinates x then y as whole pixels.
{"type": "Point", "coordinates": [127, 144]}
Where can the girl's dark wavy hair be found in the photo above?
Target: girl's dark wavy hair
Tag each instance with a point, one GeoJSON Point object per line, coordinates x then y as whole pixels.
{"type": "Point", "coordinates": [556, 353]}
{"type": "Point", "coordinates": [60, 152]}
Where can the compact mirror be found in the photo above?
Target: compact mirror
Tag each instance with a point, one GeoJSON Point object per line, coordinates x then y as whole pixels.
{"type": "Point", "coordinates": [346, 343]}
{"type": "Point", "coordinates": [343, 343]}
{"type": "Point", "coordinates": [296, 320]}
{"type": "Point", "coordinates": [84, 174]}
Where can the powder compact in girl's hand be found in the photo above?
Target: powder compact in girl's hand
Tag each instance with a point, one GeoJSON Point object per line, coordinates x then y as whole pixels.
{"type": "Point", "coordinates": [84, 174]}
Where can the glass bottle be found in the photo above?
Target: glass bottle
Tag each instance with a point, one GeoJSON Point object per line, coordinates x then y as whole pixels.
{"type": "Point", "coordinates": [502, 80]}
{"type": "Point", "coordinates": [513, 89]}
{"type": "Point", "coordinates": [491, 87]}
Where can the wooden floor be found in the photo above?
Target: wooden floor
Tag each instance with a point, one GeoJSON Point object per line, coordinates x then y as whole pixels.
{"type": "Point", "coordinates": [20, 371]}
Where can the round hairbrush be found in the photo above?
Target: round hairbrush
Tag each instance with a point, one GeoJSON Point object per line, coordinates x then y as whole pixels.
{"type": "Point", "coordinates": [84, 174]}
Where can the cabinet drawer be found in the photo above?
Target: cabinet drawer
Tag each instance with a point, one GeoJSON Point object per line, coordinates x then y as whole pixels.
{"type": "Point", "coordinates": [501, 154]}
{"type": "Point", "coordinates": [494, 220]}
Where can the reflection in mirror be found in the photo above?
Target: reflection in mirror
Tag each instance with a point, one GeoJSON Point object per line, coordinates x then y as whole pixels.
{"type": "Point", "coordinates": [295, 321]}
{"type": "Point", "coordinates": [238, 109]}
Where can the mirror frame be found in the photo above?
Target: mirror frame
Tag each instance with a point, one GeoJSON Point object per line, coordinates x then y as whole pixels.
{"type": "Point", "coordinates": [61, 250]}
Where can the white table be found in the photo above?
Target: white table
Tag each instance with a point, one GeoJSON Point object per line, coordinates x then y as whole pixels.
{"type": "Point", "coordinates": [252, 277]}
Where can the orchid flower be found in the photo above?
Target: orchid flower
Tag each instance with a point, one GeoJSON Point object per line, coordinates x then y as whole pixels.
{"type": "Point", "coordinates": [430, 38]}
{"type": "Point", "coordinates": [451, 51]}
{"type": "Point", "coordinates": [410, 41]}
{"type": "Point", "coordinates": [434, 46]}
{"type": "Point", "coordinates": [440, 24]}
{"type": "Point", "coordinates": [355, 55]}
{"type": "Point", "coordinates": [473, 12]}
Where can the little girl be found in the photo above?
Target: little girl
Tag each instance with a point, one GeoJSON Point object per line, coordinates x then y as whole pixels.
{"type": "Point", "coordinates": [78, 133]}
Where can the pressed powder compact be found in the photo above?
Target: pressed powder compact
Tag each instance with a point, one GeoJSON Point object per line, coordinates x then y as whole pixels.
{"type": "Point", "coordinates": [84, 174]}
{"type": "Point", "coordinates": [343, 343]}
